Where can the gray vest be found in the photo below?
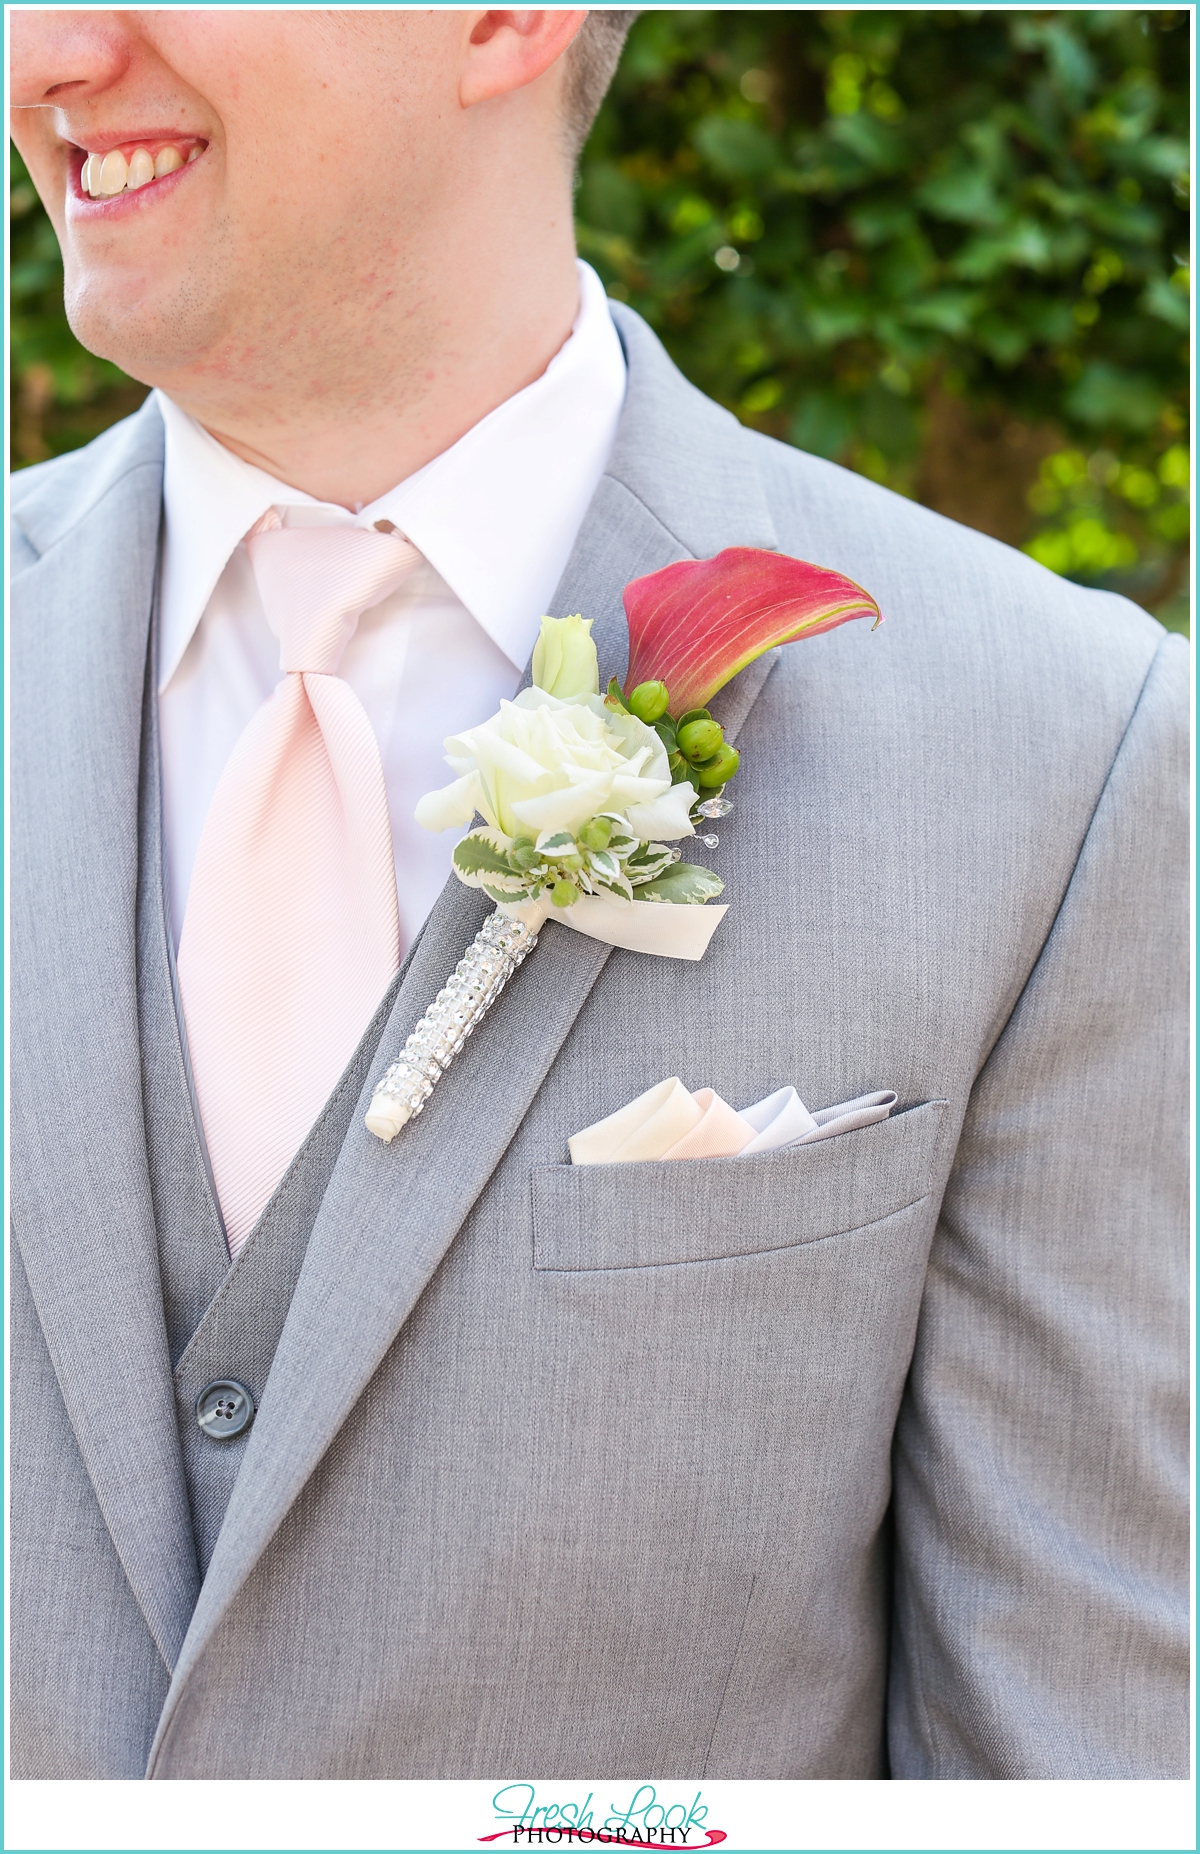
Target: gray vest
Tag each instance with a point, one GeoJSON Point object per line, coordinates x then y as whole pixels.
{"type": "Point", "coordinates": [223, 1320]}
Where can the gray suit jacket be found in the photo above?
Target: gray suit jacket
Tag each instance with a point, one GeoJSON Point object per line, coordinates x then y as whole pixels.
{"type": "Point", "coordinates": [863, 1458]}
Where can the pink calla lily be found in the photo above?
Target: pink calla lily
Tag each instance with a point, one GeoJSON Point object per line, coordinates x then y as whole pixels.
{"type": "Point", "coordinates": [695, 624]}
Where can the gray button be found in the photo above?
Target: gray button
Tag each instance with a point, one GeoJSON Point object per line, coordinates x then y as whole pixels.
{"type": "Point", "coordinates": [224, 1409]}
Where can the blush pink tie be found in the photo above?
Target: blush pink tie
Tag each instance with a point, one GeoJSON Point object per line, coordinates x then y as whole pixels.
{"type": "Point", "coordinates": [291, 935]}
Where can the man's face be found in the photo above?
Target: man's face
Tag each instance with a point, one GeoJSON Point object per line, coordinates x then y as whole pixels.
{"type": "Point", "coordinates": [299, 158]}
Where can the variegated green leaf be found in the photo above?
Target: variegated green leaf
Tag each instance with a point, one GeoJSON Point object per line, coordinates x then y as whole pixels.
{"type": "Point", "coordinates": [604, 866]}
{"type": "Point", "coordinates": [482, 852]}
{"type": "Point", "coordinates": [617, 890]}
{"type": "Point", "coordinates": [481, 879]}
{"type": "Point", "coordinates": [651, 873]}
{"type": "Point", "coordinates": [554, 843]}
{"type": "Point", "coordinates": [518, 892]}
{"type": "Point", "coordinates": [685, 883]}
{"type": "Point", "coordinates": [649, 859]}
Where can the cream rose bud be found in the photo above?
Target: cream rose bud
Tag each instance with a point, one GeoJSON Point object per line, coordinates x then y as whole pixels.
{"type": "Point", "coordinates": [543, 764]}
{"type": "Point", "coordinates": [564, 658]}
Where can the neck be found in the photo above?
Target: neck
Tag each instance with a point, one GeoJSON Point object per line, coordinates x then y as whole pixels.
{"type": "Point", "coordinates": [436, 341]}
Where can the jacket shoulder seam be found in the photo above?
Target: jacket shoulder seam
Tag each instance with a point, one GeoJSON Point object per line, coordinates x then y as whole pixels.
{"type": "Point", "coordinates": [1105, 783]}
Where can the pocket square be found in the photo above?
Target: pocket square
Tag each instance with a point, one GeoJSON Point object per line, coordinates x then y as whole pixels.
{"type": "Point", "coordinates": [669, 1122]}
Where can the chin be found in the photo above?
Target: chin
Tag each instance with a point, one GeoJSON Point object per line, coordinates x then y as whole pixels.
{"type": "Point", "coordinates": [148, 335]}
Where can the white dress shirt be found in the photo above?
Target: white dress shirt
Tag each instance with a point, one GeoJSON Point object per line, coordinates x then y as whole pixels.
{"type": "Point", "coordinates": [495, 516]}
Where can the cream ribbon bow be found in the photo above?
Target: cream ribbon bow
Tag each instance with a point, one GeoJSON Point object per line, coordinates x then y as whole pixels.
{"type": "Point", "coordinates": [666, 928]}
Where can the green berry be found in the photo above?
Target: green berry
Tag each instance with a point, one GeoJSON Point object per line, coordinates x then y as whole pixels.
{"type": "Point", "coordinates": [524, 854]}
{"type": "Point", "coordinates": [595, 836]}
{"type": "Point", "coordinates": [699, 740]}
{"type": "Point", "coordinates": [649, 702]}
{"type": "Point", "coordinates": [564, 894]}
{"type": "Point", "coordinates": [719, 770]}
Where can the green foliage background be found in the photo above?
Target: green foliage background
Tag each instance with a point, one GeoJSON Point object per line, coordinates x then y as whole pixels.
{"type": "Point", "coordinates": [947, 248]}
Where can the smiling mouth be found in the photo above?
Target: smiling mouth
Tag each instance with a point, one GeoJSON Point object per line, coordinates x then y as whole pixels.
{"type": "Point", "coordinates": [129, 168]}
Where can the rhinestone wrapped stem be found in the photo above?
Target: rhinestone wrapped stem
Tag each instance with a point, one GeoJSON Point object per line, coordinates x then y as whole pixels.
{"type": "Point", "coordinates": [500, 946]}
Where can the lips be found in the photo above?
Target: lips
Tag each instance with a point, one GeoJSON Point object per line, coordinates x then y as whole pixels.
{"type": "Point", "coordinates": [133, 165]}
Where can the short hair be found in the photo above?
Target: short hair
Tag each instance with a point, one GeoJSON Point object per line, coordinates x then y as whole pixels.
{"type": "Point", "coordinates": [591, 60]}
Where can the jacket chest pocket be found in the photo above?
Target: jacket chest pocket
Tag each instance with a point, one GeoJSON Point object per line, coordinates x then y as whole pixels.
{"type": "Point", "coordinates": [656, 1214]}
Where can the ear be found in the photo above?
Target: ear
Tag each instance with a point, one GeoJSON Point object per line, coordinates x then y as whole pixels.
{"type": "Point", "coordinates": [507, 49]}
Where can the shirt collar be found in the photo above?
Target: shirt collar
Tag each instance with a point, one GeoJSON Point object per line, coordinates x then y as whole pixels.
{"type": "Point", "coordinates": [496, 515]}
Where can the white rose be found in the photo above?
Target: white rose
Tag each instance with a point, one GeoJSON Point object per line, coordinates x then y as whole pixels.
{"type": "Point", "coordinates": [545, 765]}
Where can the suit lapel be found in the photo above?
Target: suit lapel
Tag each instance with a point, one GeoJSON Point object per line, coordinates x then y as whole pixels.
{"type": "Point", "coordinates": [82, 1210]}
{"type": "Point", "coordinates": [406, 1202]}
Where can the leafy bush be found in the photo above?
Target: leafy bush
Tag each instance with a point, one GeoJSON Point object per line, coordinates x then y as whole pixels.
{"type": "Point", "coordinates": [949, 249]}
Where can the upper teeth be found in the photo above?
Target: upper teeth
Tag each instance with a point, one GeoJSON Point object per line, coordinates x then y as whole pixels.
{"type": "Point", "coordinates": [102, 177]}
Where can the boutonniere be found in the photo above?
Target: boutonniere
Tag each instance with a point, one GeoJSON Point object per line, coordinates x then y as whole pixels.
{"type": "Point", "coordinates": [586, 796]}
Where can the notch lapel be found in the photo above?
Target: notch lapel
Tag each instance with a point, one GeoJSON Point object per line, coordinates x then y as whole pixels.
{"type": "Point", "coordinates": [81, 1205]}
{"type": "Point", "coordinates": [406, 1202]}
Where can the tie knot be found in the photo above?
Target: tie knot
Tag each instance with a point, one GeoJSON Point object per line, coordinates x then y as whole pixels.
{"type": "Point", "coordinates": [315, 584]}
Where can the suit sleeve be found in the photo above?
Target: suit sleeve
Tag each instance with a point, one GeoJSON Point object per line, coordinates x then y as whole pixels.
{"type": "Point", "coordinates": [1041, 1461]}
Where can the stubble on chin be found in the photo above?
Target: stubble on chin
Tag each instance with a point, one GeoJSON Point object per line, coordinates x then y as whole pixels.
{"type": "Point", "coordinates": [152, 328]}
{"type": "Point", "coordinates": [295, 328]}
